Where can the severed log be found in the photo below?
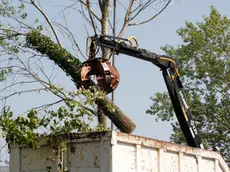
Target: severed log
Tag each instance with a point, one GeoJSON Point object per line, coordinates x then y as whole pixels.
{"type": "Point", "coordinates": [121, 121]}
{"type": "Point", "coordinates": [70, 65]}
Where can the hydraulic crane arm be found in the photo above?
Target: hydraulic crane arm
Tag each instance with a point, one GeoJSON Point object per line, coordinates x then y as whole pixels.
{"type": "Point", "coordinates": [121, 47]}
{"type": "Point", "coordinates": [169, 68]}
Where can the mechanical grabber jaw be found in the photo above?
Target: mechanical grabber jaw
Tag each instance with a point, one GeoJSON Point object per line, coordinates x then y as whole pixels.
{"type": "Point", "coordinates": [97, 71]}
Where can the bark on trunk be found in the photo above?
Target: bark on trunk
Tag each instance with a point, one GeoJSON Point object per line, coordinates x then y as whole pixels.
{"type": "Point", "coordinates": [105, 52]}
{"type": "Point", "coordinates": [105, 25]}
{"type": "Point", "coordinates": [120, 120]}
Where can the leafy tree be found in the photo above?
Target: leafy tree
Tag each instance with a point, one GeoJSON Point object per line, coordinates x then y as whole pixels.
{"type": "Point", "coordinates": [28, 44]}
{"type": "Point", "coordinates": [205, 67]}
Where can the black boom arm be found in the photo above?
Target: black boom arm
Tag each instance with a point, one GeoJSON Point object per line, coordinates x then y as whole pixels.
{"type": "Point", "coordinates": [169, 68]}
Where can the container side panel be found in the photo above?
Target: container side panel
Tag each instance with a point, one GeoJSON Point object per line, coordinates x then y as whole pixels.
{"type": "Point", "coordinates": [15, 159]}
{"type": "Point", "coordinates": [89, 156]}
{"type": "Point", "coordinates": [207, 164]}
{"type": "Point", "coordinates": [117, 152]}
{"type": "Point", "coordinates": [189, 163]}
{"type": "Point", "coordinates": [38, 160]}
{"type": "Point", "coordinates": [124, 158]}
{"type": "Point", "coordinates": [170, 161]}
{"type": "Point", "coordinates": [105, 156]}
{"type": "Point", "coordinates": [149, 160]}
{"type": "Point", "coordinates": [86, 155]}
{"type": "Point", "coordinates": [219, 169]}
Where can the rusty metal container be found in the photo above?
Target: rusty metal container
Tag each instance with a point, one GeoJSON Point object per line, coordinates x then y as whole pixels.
{"type": "Point", "coordinates": [118, 152]}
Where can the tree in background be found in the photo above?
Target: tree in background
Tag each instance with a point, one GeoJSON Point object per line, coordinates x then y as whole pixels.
{"type": "Point", "coordinates": [29, 44]}
{"type": "Point", "coordinates": [205, 66]}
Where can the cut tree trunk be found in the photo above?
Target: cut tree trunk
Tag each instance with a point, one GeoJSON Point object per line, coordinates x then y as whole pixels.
{"type": "Point", "coordinates": [120, 120]}
{"type": "Point", "coordinates": [70, 65]}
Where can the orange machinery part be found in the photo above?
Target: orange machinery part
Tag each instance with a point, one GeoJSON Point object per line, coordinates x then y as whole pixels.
{"type": "Point", "coordinates": [106, 76]}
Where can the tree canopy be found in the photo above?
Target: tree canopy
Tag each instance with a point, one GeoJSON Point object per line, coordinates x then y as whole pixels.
{"type": "Point", "coordinates": [204, 58]}
{"type": "Point", "coordinates": [33, 49]}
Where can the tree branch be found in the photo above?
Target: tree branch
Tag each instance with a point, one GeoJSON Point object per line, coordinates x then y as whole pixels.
{"type": "Point", "coordinates": [15, 84]}
{"type": "Point", "coordinates": [46, 105]}
{"type": "Point", "coordinates": [24, 91]}
{"type": "Point", "coordinates": [91, 12]}
{"type": "Point", "coordinates": [9, 36]}
{"type": "Point", "coordinates": [48, 21]}
{"type": "Point", "coordinates": [150, 19]}
{"type": "Point", "coordinates": [127, 19]}
{"type": "Point", "coordinates": [70, 34]}
{"type": "Point", "coordinates": [70, 66]}
{"type": "Point", "coordinates": [142, 8]}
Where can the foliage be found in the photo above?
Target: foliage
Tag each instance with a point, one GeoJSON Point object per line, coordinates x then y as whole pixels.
{"type": "Point", "coordinates": [55, 52]}
{"type": "Point", "coordinates": [22, 69]}
{"type": "Point", "coordinates": [4, 73]}
{"type": "Point", "coordinates": [205, 67]}
{"type": "Point", "coordinates": [71, 66]}
{"type": "Point", "coordinates": [7, 45]}
{"type": "Point", "coordinates": [75, 116]}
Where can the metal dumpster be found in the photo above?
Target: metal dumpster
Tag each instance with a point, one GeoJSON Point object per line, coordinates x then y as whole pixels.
{"type": "Point", "coordinates": [117, 152]}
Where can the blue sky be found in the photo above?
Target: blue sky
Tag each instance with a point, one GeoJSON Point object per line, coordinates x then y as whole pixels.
{"type": "Point", "coordinates": [139, 79]}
